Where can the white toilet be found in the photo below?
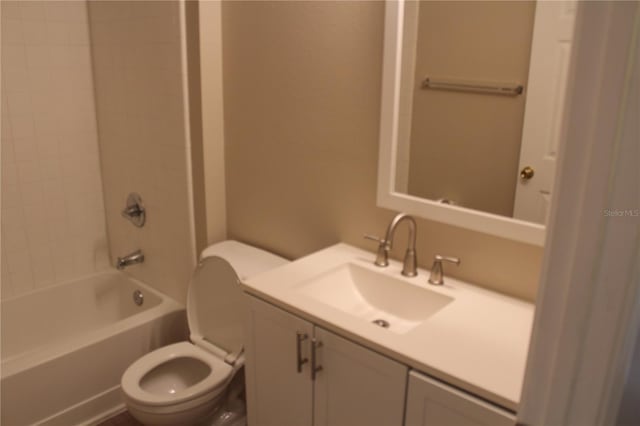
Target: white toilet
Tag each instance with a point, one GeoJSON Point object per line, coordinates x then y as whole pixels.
{"type": "Point", "coordinates": [184, 383]}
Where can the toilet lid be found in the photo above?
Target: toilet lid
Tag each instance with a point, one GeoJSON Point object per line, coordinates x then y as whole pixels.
{"type": "Point", "coordinates": [215, 307]}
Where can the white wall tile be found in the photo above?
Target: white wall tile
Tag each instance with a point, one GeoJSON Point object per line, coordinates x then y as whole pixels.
{"type": "Point", "coordinates": [28, 171]}
{"type": "Point", "coordinates": [10, 196]}
{"type": "Point", "coordinates": [6, 290]}
{"type": "Point", "coordinates": [53, 223]}
{"type": "Point", "coordinates": [19, 261]}
{"type": "Point", "coordinates": [142, 139]}
{"type": "Point", "coordinates": [7, 133]}
{"type": "Point", "coordinates": [8, 156]}
{"type": "Point", "coordinates": [22, 281]}
{"type": "Point", "coordinates": [11, 28]}
{"type": "Point", "coordinates": [42, 265]}
{"type": "Point", "coordinates": [25, 147]}
{"type": "Point", "coordinates": [14, 57]}
{"type": "Point", "coordinates": [38, 56]}
{"type": "Point", "coordinates": [9, 175]}
{"type": "Point", "coordinates": [32, 195]}
{"type": "Point", "coordinates": [33, 10]}
{"type": "Point", "coordinates": [15, 239]}
{"type": "Point", "coordinates": [11, 10]}
{"type": "Point", "coordinates": [35, 32]}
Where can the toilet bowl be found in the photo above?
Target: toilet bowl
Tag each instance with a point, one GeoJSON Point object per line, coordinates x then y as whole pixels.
{"type": "Point", "coordinates": [186, 383]}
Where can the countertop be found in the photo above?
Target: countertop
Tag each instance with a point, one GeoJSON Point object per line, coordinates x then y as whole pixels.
{"type": "Point", "coordinates": [478, 343]}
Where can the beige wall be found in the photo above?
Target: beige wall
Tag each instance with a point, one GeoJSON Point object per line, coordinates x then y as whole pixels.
{"type": "Point", "coordinates": [302, 102]}
{"type": "Point", "coordinates": [206, 74]}
{"type": "Point", "coordinates": [143, 145]}
{"type": "Point", "coordinates": [53, 224]}
{"type": "Point", "coordinates": [466, 146]}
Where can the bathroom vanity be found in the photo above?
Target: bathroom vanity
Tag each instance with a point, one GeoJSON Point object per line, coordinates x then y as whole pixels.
{"type": "Point", "coordinates": [335, 340]}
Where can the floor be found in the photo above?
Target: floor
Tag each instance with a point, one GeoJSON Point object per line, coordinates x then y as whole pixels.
{"type": "Point", "coordinates": [122, 419]}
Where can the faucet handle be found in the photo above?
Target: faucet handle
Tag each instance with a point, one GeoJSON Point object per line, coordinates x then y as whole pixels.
{"type": "Point", "coordinates": [437, 273]}
{"type": "Point", "coordinates": [382, 257]}
{"type": "Point", "coordinates": [134, 210]}
{"type": "Point", "coordinates": [439, 258]}
{"type": "Point", "coordinates": [374, 238]}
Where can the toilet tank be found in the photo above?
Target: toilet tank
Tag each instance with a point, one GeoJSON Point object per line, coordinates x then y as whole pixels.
{"type": "Point", "coordinates": [245, 259]}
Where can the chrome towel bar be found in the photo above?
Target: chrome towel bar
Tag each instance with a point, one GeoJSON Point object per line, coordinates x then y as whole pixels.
{"type": "Point", "coordinates": [470, 86]}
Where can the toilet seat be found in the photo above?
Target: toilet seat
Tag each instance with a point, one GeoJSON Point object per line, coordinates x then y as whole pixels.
{"type": "Point", "coordinates": [220, 373]}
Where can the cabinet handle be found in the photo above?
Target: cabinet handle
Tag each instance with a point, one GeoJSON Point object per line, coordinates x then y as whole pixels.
{"type": "Point", "coordinates": [315, 344]}
{"type": "Point", "coordinates": [300, 337]}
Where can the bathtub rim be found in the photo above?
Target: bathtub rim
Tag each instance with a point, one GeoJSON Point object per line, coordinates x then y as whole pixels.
{"type": "Point", "coordinates": [22, 361]}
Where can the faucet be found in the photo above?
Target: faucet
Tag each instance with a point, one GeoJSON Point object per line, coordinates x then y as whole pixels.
{"type": "Point", "coordinates": [436, 277]}
{"type": "Point", "coordinates": [385, 245]}
{"type": "Point", "coordinates": [130, 259]}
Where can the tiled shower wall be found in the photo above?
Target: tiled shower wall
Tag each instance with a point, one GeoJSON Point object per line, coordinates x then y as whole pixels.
{"type": "Point", "coordinates": [144, 147]}
{"type": "Point", "coordinates": [53, 224]}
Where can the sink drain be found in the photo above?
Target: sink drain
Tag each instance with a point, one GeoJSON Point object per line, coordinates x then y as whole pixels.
{"type": "Point", "coordinates": [382, 323]}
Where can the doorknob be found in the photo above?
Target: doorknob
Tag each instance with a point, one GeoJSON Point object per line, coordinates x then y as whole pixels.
{"type": "Point", "coordinates": [526, 173]}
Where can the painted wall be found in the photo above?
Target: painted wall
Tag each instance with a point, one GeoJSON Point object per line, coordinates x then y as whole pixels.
{"type": "Point", "coordinates": [138, 69]}
{"type": "Point", "coordinates": [53, 224]}
{"type": "Point", "coordinates": [210, 54]}
{"type": "Point", "coordinates": [301, 103]}
{"type": "Point", "coordinates": [466, 146]}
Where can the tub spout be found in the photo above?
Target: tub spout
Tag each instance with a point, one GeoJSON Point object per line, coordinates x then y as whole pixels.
{"type": "Point", "coordinates": [130, 259]}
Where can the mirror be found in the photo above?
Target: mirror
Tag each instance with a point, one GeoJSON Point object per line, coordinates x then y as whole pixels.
{"type": "Point", "coordinates": [473, 96]}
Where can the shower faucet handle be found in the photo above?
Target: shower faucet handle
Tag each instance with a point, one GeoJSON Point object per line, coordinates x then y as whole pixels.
{"type": "Point", "coordinates": [134, 210]}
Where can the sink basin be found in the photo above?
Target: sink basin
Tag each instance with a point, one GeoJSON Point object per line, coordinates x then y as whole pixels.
{"type": "Point", "coordinates": [380, 299]}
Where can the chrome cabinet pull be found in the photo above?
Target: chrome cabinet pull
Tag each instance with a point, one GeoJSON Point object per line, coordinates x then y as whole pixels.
{"type": "Point", "coordinates": [315, 344]}
{"type": "Point", "coordinates": [300, 337]}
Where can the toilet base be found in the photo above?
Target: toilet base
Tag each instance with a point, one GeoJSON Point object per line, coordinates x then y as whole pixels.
{"type": "Point", "coordinates": [193, 416]}
{"type": "Point", "coordinates": [233, 411]}
{"type": "Point", "coordinates": [227, 409]}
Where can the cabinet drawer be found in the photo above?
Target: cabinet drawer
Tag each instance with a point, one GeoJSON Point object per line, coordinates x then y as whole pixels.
{"type": "Point", "coordinates": [432, 403]}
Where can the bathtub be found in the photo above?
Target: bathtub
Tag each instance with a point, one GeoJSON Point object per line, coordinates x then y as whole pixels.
{"type": "Point", "coordinates": [64, 348]}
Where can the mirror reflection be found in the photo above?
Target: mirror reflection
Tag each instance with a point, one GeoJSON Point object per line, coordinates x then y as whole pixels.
{"type": "Point", "coordinates": [481, 98]}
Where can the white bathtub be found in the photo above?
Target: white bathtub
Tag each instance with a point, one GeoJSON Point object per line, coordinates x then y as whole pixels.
{"type": "Point", "coordinates": [64, 348]}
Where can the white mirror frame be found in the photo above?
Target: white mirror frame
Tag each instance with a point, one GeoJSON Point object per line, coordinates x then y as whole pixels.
{"type": "Point", "coordinates": [388, 197]}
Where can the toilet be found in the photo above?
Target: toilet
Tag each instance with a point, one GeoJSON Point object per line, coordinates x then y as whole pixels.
{"type": "Point", "coordinates": [186, 382]}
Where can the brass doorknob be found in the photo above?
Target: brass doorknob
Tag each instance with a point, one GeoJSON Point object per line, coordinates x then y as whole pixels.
{"type": "Point", "coordinates": [526, 173]}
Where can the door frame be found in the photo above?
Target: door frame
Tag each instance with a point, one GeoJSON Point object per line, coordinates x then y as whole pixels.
{"type": "Point", "coordinates": [588, 308]}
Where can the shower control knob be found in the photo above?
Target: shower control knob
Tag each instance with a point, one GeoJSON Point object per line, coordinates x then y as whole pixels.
{"type": "Point", "coordinates": [134, 210]}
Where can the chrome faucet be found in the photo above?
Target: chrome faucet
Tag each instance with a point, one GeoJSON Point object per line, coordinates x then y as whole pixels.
{"type": "Point", "coordinates": [436, 277]}
{"type": "Point", "coordinates": [409, 267]}
{"type": "Point", "coordinates": [130, 259]}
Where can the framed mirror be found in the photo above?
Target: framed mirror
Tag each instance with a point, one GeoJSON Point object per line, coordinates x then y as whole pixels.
{"type": "Point", "coordinates": [472, 104]}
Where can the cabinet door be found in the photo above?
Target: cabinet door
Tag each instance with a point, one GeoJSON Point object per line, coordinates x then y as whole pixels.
{"type": "Point", "coordinates": [356, 386]}
{"type": "Point", "coordinates": [431, 403]}
{"type": "Point", "coordinates": [277, 394]}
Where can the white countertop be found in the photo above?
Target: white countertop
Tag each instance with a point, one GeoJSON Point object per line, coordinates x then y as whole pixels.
{"type": "Point", "coordinates": [479, 342]}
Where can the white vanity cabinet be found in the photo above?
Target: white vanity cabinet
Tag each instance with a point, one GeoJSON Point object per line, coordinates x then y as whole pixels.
{"type": "Point", "coordinates": [432, 403]}
{"type": "Point", "coordinates": [352, 386]}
